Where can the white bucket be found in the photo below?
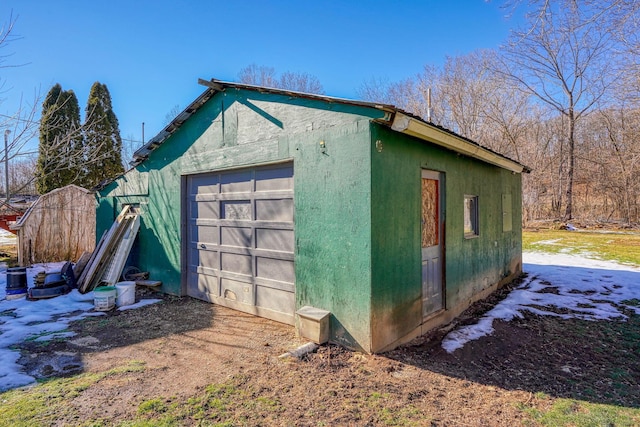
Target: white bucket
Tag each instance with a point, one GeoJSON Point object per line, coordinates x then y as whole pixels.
{"type": "Point", "coordinates": [104, 298]}
{"type": "Point", "coordinates": [126, 293]}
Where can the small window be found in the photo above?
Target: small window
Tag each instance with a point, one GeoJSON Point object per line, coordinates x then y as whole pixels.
{"type": "Point", "coordinates": [471, 216]}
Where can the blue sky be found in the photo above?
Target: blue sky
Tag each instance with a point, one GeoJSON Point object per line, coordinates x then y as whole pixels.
{"type": "Point", "coordinates": [150, 54]}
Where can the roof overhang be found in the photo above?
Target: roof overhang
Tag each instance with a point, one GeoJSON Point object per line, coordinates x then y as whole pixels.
{"type": "Point", "coordinates": [435, 135]}
{"type": "Point", "coordinates": [398, 120]}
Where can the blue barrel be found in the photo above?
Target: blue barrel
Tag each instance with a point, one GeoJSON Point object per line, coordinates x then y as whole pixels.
{"type": "Point", "coordinates": [16, 282]}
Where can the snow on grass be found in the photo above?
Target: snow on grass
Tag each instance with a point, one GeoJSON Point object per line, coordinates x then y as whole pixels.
{"type": "Point", "coordinates": [549, 242]}
{"type": "Point", "coordinates": [562, 285]}
{"type": "Point", "coordinates": [7, 238]}
{"type": "Point", "coordinates": [40, 320]}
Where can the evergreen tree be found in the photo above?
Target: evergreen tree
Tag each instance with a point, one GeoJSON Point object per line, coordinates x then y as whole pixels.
{"type": "Point", "coordinates": [60, 157]}
{"type": "Point", "coordinates": [103, 144]}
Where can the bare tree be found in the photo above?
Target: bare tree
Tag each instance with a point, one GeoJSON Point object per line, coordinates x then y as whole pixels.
{"type": "Point", "coordinates": [614, 159]}
{"type": "Point", "coordinates": [172, 114]}
{"type": "Point", "coordinates": [468, 97]}
{"type": "Point", "coordinates": [7, 35]}
{"type": "Point", "coordinates": [409, 94]}
{"type": "Point", "coordinates": [564, 58]}
{"type": "Point", "coordinates": [563, 97]}
{"type": "Point", "coordinates": [129, 146]}
{"type": "Point", "coordinates": [21, 175]}
{"type": "Point", "coordinates": [20, 126]}
{"type": "Point", "coordinates": [260, 75]}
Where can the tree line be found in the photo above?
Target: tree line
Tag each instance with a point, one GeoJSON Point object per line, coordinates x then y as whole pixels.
{"type": "Point", "coordinates": [560, 96]}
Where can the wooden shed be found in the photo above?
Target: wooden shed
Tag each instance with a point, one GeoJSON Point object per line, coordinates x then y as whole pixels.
{"type": "Point", "coordinates": [360, 217]}
{"type": "Point", "coordinates": [59, 226]}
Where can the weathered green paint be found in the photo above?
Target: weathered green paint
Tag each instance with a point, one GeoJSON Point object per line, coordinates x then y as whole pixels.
{"type": "Point", "coordinates": [471, 265]}
{"type": "Point", "coordinates": [357, 207]}
{"type": "Point", "coordinates": [333, 233]}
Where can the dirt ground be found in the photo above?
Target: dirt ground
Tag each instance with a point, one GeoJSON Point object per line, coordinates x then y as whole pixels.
{"type": "Point", "coordinates": [185, 345]}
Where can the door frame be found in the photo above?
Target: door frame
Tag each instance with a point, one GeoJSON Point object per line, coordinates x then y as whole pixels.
{"type": "Point", "coordinates": [260, 311]}
{"type": "Point", "coordinates": [439, 176]}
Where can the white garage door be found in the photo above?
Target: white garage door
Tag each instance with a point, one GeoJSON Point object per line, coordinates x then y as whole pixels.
{"type": "Point", "coordinates": [241, 240]}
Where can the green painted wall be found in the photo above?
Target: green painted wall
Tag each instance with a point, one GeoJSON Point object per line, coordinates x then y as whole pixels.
{"type": "Point", "coordinates": [332, 193]}
{"type": "Point", "coordinates": [333, 233]}
{"type": "Point", "coordinates": [471, 265]}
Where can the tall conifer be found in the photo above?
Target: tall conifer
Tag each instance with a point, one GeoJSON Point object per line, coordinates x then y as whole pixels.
{"type": "Point", "coordinates": [103, 144]}
{"type": "Point", "coordinates": [60, 158]}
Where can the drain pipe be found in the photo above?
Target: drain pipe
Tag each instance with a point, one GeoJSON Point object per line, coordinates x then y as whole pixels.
{"type": "Point", "coordinates": [304, 349]}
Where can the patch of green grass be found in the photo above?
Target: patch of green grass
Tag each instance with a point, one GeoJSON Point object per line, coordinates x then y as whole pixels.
{"type": "Point", "coordinates": [152, 405]}
{"type": "Point", "coordinates": [44, 343]}
{"type": "Point", "coordinates": [375, 396]}
{"type": "Point", "coordinates": [9, 253]}
{"type": "Point", "coordinates": [48, 401]}
{"type": "Point", "coordinates": [620, 247]}
{"type": "Point", "coordinates": [237, 403]}
{"type": "Point", "coordinates": [570, 412]}
{"type": "Point", "coordinates": [634, 302]}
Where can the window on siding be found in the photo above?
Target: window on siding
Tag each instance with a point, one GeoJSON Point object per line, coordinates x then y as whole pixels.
{"type": "Point", "coordinates": [471, 217]}
{"type": "Point", "coordinates": [507, 216]}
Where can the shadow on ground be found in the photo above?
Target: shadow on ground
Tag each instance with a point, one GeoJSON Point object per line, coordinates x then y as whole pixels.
{"type": "Point", "coordinates": [596, 361]}
{"type": "Point", "coordinates": [183, 321]}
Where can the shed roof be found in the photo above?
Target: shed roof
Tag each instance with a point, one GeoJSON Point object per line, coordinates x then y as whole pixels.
{"type": "Point", "coordinates": [22, 220]}
{"type": "Point", "coordinates": [397, 119]}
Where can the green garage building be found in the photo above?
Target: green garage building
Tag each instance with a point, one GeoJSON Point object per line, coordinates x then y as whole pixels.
{"type": "Point", "coordinates": [268, 201]}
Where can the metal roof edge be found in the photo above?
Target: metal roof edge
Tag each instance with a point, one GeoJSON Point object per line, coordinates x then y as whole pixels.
{"type": "Point", "coordinates": [143, 152]}
{"type": "Point", "coordinates": [437, 135]}
{"type": "Point", "coordinates": [215, 84]}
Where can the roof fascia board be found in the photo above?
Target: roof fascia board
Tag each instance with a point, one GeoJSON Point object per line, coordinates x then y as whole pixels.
{"type": "Point", "coordinates": [410, 126]}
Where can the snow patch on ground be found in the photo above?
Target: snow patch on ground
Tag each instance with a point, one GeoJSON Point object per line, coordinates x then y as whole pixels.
{"type": "Point", "coordinates": [586, 288]}
{"type": "Point", "coordinates": [40, 320]}
{"type": "Point", "coordinates": [548, 242]}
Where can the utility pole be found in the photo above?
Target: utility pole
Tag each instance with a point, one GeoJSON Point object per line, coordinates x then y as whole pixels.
{"type": "Point", "coordinates": [6, 164]}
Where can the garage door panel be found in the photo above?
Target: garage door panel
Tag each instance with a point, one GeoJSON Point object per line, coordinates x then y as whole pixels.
{"type": "Point", "coordinates": [236, 182]}
{"type": "Point", "coordinates": [204, 234]}
{"type": "Point", "coordinates": [274, 179]}
{"type": "Point", "coordinates": [236, 263]}
{"type": "Point", "coordinates": [274, 210]}
{"type": "Point", "coordinates": [205, 210]}
{"type": "Point", "coordinates": [236, 210]}
{"type": "Point", "coordinates": [207, 258]}
{"type": "Point", "coordinates": [203, 184]}
{"type": "Point", "coordinates": [237, 291]}
{"type": "Point", "coordinates": [273, 239]}
{"type": "Point", "coordinates": [202, 286]}
{"type": "Point", "coordinates": [275, 269]}
{"type": "Point", "coordinates": [236, 236]}
{"type": "Point", "coordinates": [206, 282]}
{"type": "Point", "coordinates": [209, 271]}
{"type": "Point", "coordinates": [274, 299]}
